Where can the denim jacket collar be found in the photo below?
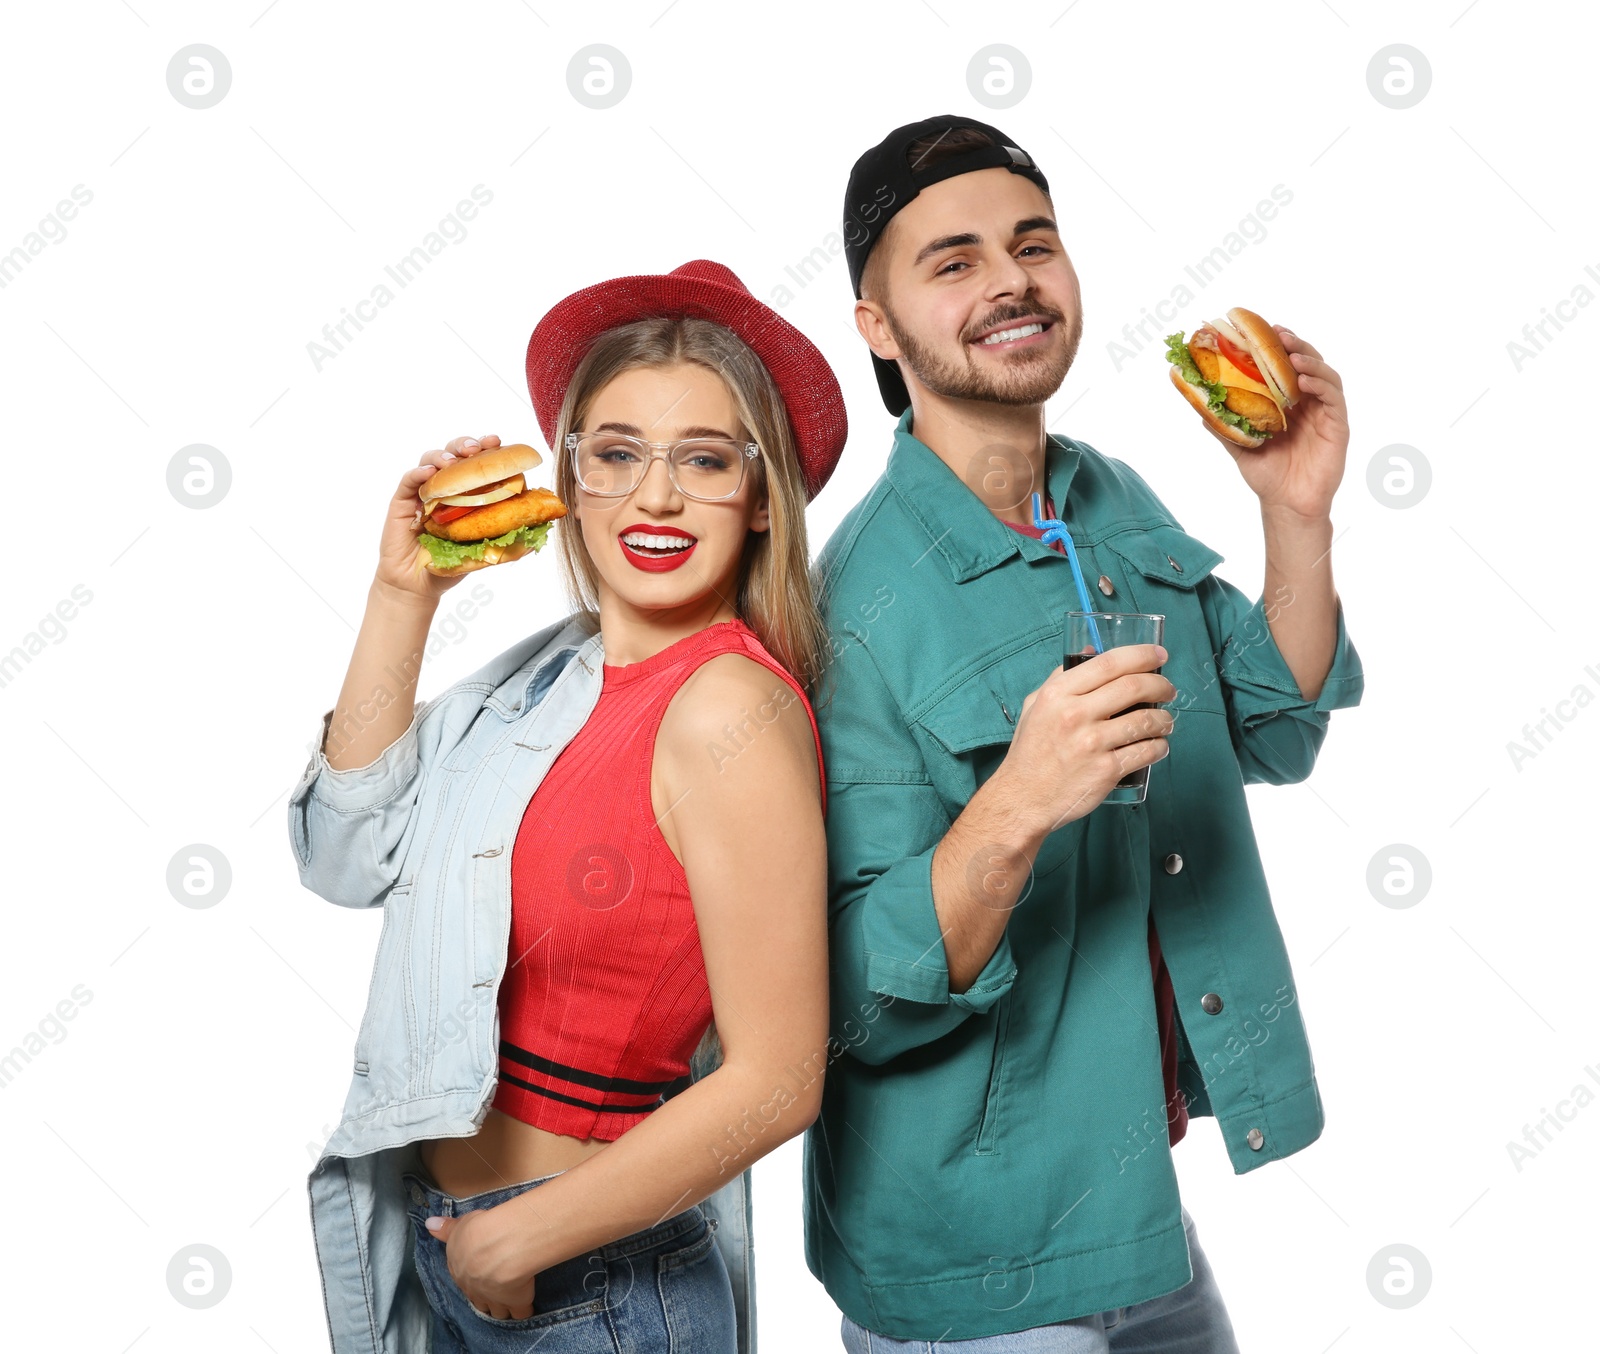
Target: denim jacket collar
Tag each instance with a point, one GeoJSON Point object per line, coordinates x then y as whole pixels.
{"type": "Point", "coordinates": [531, 679]}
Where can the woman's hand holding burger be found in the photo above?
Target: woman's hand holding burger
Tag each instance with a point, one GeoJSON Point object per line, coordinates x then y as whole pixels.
{"type": "Point", "coordinates": [469, 506]}
{"type": "Point", "coordinates": [401, 569]}
{"type": "Point", "coordinates": [482, 513]}
{"type": "Point", "coordinates": [378, 698]}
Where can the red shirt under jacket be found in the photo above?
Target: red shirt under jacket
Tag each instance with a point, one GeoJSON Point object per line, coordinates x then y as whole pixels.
{"type": "Point", "coordinates": [605, 999]}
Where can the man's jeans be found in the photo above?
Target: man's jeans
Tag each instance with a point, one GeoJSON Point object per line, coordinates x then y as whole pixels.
{"type": "Point", "coordinates": [1190, 1320]}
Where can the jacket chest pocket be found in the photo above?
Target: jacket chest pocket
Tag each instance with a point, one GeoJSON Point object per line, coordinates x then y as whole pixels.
{"type": "Point", "coordinates": [478, 742]}
{"type": "Point", "coordinates": [972, 725]}
{"type": "Point", "coordinates": [1165, 566]}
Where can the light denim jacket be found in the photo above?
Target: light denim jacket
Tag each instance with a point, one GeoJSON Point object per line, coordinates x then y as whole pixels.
{"type": "Point", "coordinates": [425, 831]}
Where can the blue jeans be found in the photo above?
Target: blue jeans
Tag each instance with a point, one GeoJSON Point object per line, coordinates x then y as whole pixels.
{"type": "Point", "coordinates": [1189, 1320]}
{"type": "Point", "coordinates": [663, 1290]}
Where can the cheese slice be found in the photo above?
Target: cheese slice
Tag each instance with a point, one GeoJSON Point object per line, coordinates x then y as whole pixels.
{"type": "Point", "coordinates": [1230, 375]}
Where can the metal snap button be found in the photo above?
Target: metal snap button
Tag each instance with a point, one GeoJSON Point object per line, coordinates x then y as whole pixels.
{"type": "Point", "coordinates": [1105, 585]}
{"type": "Point", "coordinates": [1211, 1003]}
{"type": "Point", "coordinates": [417, 1196]}
{"type": "Point", "coordinates": [1173, 863]}
{"type": "Point", "coordinates": [1255, 1139]}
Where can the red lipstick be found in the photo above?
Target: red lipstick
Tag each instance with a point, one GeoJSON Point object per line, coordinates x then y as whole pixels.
{"type": "Point", "coordinates": [653, 559]}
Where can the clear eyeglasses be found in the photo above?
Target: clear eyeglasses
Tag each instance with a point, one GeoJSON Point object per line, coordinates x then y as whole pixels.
{"type": "Point", "coordinates": [613, 464]}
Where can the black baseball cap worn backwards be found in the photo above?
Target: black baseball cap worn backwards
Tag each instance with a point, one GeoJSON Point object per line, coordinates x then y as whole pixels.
{"type": "Point", "coordinates": [884, 180]}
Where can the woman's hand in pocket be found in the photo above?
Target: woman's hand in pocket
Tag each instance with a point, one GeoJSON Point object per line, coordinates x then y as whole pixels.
{"type": "Point", "coordinates": [486, 1251]}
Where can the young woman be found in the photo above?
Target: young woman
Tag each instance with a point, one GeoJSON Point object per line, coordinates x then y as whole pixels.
{"type": "Point", "coordinates": [651, 768]}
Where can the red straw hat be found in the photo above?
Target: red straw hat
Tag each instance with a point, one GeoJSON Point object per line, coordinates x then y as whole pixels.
{"type": "Point", "coordinates": [708, 291]}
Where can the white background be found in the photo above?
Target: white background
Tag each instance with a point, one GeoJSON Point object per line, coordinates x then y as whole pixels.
{"type": "Point", "coordinates": [183, 1102]}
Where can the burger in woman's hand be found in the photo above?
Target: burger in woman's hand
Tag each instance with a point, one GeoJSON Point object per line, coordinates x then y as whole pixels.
{"type": "Point", "coordinates": [481, 510]}
{"type": "Point", "coordinates": [408, 566]}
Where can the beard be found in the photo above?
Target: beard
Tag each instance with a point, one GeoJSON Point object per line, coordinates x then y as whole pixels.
{"type": "Point", "coordinates": [1026, 378]}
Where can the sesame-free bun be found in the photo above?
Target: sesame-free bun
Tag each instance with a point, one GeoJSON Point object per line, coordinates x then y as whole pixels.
{"type": "Point", "coordinates": [1197, 396]}
{"type": "Point", "coordinates": [472, 472]}
{"type": "Point", "coordinates": [1271, 357]}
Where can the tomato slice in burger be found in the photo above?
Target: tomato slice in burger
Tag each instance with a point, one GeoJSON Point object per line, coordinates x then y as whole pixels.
{"type": "Point", "coordinates": [1240, 358]}
{"type": "Point", "coordinates": [448, 513]}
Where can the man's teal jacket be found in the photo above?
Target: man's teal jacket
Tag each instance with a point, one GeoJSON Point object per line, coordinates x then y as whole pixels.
{"type": "Point", "coordinates": [996, 1159]}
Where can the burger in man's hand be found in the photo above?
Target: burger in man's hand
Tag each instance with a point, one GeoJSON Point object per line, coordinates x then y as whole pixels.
{"type": "Point", "coordinates": [1238, 376]}
{"type": "Point", "coordinates": [480, 510]}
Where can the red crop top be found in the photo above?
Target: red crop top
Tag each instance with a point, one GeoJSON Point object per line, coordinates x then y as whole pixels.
{"type": "Point", "coordinates": [605, 997]}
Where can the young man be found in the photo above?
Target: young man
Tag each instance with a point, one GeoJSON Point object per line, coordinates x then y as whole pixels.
{"type": "Point", "coordinates": [1032, 991]}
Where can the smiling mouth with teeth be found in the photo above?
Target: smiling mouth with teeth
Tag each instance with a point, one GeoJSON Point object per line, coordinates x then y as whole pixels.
{"type": "Point", "coordinates": [1009, 335]}
{"type": "Point", "coordinates": [656, 547]}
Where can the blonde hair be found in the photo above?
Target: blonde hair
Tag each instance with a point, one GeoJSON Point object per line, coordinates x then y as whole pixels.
{"type": "Point", "coordinates": [774, 595]}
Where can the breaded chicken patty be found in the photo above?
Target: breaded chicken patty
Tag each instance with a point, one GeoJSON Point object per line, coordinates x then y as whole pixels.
{"type": "Point", "coordinates": [1261, 411]}
{"type": "Point", "coordinates": [495, 519]}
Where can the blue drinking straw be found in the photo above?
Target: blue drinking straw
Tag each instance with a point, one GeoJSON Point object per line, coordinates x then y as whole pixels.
{"type": "Point", "coordinates": [1056, 530]}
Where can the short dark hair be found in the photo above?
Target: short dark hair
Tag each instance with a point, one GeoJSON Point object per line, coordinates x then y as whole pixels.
{"type": "Point", "coordinates": [923, 153]}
